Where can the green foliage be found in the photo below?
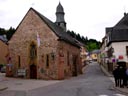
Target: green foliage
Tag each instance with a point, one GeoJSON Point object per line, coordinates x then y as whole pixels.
{"type": "Point", "coordinates": [90, 44]}
{"type": "Point", "coordinates": [2, 31]}
{"type": "Point", "coordinates": [8, 32]}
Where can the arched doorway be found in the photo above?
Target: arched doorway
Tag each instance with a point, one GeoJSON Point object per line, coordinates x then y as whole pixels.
{"type": "Point", "coordinates": [33, 71]}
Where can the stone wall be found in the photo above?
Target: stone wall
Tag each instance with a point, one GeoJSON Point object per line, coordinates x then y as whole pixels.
{"type": "Point", "coordinates": [26, 33]}
{"type": "Point", "coordinates": [3, 52]}
{"type": "Point", "coordinates": [51, 60]}
{"type": "Point", "coordinates": [66, 61]}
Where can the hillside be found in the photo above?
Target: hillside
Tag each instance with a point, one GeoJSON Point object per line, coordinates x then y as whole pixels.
{"type": "Point", "coordinates": [91, 44]}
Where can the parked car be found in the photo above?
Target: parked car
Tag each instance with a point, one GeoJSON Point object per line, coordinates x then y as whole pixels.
{"type": "Point", "coordinates": [3, 69]}
{"type": "Point", "coordinates": [121, 63]}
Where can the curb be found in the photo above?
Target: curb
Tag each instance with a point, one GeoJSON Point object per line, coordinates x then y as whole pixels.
{"type": "Point", "coordinates": [125, 91]}
{"type": "Point", "coordinates": [84, 68]}
{"type": "Point", "coordinates": [106, 73]}
{"type": "Point", "coordinates": [122, 90]}
{"type": "Point", "coordinates": [3, 88]}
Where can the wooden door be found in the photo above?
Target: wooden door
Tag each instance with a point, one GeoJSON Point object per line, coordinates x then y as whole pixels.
{"type": "Point", "coordinates": [33, 71]}
{"type": "Point", "coordinates": [74, 71]}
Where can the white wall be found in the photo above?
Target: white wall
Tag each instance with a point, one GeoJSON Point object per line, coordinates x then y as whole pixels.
{"type": "Point", "coordinates": [120, 49]}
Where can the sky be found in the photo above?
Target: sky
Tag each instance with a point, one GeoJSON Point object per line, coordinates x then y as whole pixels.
{"type": "Point", "coordinates": [89, 18]}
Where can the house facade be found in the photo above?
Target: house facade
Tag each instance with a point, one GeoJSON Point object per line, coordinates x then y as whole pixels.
{"type": "Point", "coordinates": [83, 55]}
{"type": "Point", "coordinates": [41, 49]}
{"type": "Point", "coordinates": [94, 54]}
{"type": "Point", "coordinates": [3, 51]}
{"type": "Point", "coordinates": [116, 44]}
{"type": "Point", "coordinates": [103, 58]}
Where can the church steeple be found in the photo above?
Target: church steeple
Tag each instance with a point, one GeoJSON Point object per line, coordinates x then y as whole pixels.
{"type": "Point", "coordinates": [60, 16]}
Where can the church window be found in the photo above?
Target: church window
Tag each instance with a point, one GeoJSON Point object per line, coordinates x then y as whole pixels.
{"type": "Point", "coordinates": [19, 64]}
{"type": "Point", "coordinates": [33, 51]}
{"type": "Point", "coordinates": [47, 60]}
{"type": "Point", "coordinates": [67, 58]}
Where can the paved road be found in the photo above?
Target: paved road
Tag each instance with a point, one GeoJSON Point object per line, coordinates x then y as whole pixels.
{"type": "Point", "coordinates": [92, 83]}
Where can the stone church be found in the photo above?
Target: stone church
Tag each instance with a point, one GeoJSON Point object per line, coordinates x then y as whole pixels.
{"type": "Point", "coordinates": [41, 49]}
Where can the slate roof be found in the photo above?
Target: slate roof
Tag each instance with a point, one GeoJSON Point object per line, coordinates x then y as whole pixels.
{"type": "Point", "coordinates": [57, 30]}
{"type": "Point", "coordinates": [59, 8]}
{"type": "Point", "coordinates": [123, 23]}
{"type": "Point", "coordinates": [96, 51]}
{"type": "Point", "coordinates": [119, 33]}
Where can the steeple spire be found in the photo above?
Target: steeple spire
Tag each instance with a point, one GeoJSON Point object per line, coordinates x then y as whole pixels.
{"type": "Point", "coordinates": [60, 16]}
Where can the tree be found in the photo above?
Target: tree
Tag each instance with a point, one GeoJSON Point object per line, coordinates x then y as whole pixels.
{"type": "Point", "coordinates": [91, 44]}
{"type": "Point", "coordinates": [8, 32]}
{"type": "Point", "coordinates": [2, 31]}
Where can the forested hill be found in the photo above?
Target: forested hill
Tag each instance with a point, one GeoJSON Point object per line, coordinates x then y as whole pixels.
{"type": "Point", "coordinates": [90, 44]}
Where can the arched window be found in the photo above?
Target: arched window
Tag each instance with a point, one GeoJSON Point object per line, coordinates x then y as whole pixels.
{"type": "Point", "coordinates": [33, 51]}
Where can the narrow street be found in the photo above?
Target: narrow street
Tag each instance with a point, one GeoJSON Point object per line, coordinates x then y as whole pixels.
{"type": "Point", "coordinates": [92, 83]}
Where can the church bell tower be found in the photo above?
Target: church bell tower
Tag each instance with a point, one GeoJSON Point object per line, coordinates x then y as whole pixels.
{"type": "Point", "coordinates": [60, 17]}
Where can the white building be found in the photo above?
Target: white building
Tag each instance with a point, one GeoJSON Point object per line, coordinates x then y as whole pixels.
{"type": "Point", "coordinates": [115, 43]}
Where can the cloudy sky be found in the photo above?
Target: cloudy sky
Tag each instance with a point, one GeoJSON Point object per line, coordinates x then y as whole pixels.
{"type": "Point", "coordinates": [86, 17]}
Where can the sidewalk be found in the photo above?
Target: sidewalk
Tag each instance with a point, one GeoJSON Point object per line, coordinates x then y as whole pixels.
{"type": "Point", "coordinates": [124, 90]}
{"type": "Point", "coordinates": [20, 84]}
{"type": "Point", "coordinates": [2, 86]}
